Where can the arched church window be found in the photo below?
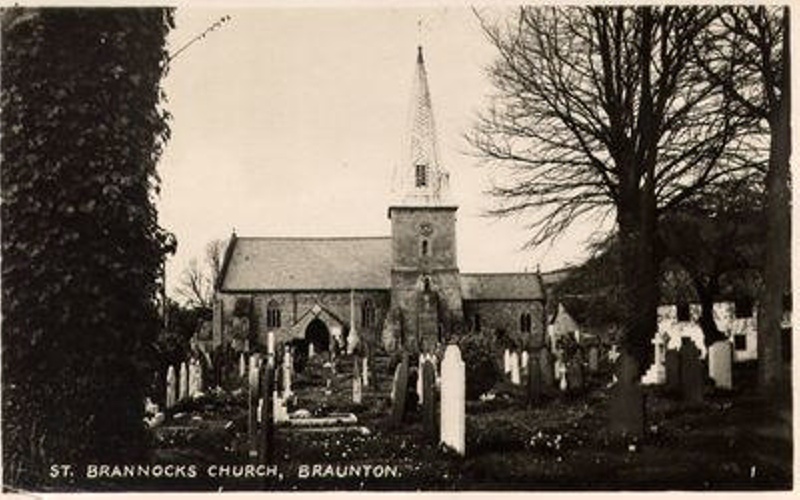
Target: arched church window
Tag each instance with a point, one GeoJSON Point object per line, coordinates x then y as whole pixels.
{"type": "Point", "coordinates": [367, 314]}
{"type": "Point", "coordinates": [273, 314]}
{"type": "Point", "coordinates": [426, 284]}
{"type": "Point", "coordinates": [424, 247]}
{"type": "Point", "coordinates": [422, 175]}
{"type": "Point", "coordinates": [525, 323]}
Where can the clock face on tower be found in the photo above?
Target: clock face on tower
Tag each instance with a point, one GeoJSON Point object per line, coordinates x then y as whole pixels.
{"type": "Point", "coordinates": [426, 229]}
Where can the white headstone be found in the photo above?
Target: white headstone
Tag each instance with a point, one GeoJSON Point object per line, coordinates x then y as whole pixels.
{"type": "Point", "coordinates": [255, 365]}
{"type": "Point", "coordinates": [515, 378]}
{"type": "Point", "coordinates": [720, 364]}
{"type": "Point", "coordinates": [242, 366]}
{"type": "Point", "coordinates": [310, 350]}
{"type": "Point", "coordinates": [421, 360]}
{"type": "Point", "coordinates": [270, 343]}
{"type": "Point", "coordinates": [657, 373]}
{"type": "Point", "coordinates": [506, 361]}
{"type": "Point", "coordinates": [183, 387]}
{"type": "Point", "coordinates": [194, 368]}
{"type": "Point", "coordinates": [357, 392]}
{"type": "Point", "coordinates": [279, 411]}
{"type": "Point", "coordinates": [561, 373]}
{"type": "Point", "coordinates": [365, 371]}
{"type": "Point", "coordinates": [170, 401]}
{"type": "Point", "coordinates": [287, 373]}
{"type": "Point", "coordinates": [524, 359]}
{"type": "Point", "coordinates": [453, 409]}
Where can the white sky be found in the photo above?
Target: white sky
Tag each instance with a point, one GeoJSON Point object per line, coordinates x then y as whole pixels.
{"type": "Point", "coordinates": [289, 122]}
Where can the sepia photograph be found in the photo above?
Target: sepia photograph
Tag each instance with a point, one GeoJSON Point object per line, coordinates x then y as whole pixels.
{"type": "Point", "coordinates": [396, 248]}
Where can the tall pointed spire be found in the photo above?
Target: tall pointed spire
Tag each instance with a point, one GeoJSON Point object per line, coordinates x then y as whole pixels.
{"type": "Point", "coordinates": [420, 179]}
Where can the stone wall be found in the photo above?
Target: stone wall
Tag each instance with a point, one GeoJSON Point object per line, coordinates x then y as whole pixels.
{"type": "Point", "coordinates": [505, 315]}
{"type": "Point", "coordinates": [333, 309]}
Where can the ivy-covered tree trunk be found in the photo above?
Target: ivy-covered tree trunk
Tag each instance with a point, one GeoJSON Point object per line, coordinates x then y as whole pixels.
{"type": "Point", "coordinates": [82, 130]}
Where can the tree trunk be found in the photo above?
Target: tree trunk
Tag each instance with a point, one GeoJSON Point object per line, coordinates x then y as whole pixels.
{"type": "Point", "coordinates": [706, 294]}
{"type": "Point", "coordinates": [777, 247]}
{"type": "Point", "coordinates": [638, 269]}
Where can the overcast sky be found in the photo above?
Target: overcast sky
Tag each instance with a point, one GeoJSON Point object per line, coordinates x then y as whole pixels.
{"type": "Point", "coordinates": [289, 122]}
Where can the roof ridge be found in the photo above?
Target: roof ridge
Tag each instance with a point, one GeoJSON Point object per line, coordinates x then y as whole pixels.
{"type": "Point", "coordinates": [313, 237]}
{"type": "Point", "coordinates": [502, 273]}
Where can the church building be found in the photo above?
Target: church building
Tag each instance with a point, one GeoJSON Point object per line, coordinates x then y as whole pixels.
{"type": "Point", "coordinates": [402, 291]}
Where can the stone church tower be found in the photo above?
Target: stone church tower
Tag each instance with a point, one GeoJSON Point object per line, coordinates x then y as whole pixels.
{"type": "Point", "coordinates": [426, 303]}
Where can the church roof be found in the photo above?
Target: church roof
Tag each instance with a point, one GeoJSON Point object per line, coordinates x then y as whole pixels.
{"type": "Point", "coordinates": [501, 286]}
{"type": "Point", "coordinates": [254, 264]}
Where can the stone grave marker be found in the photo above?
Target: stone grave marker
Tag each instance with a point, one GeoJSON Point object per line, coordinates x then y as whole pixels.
{"type": "Point", "coordinates": [691, 372]}
{"type": "Point", "coordinates": [428, 377]}
{"type": "Point", "coordinates": [720, 364]}
{"type": "Point", "coordinates": [561, 373]}
{"type": "Point", "coordinates": [267, 424]}
{"type": "Point", "coordinates": [594, 359]}
{"type": "Point", "coordinates": [453, 404]}
{"type": "Point", "coordinates": [627, 399]}
{"type": "Point", "coordinates": [515, 378]}
{"type": "Point", "coordinates": [657, 373]}
{"type": "Point", "coordinates": [672, 364]}
{"type": "Point", "coordinates": [183, 388]}
{"type": "Point", "coordinates": [574, 375]}
{"type": "Point", "coordinates": [253, 403]}
{"type": "Point", "coordinates": [534, 379]}
{"type": "Point", "coordinates": [507, 362]}
{"type": "Point", "coordinates": [524, 363]}
{"type": "Point", "coordinates": [547, 370]}
{"type": "Point", "coordinates": [365, 371]}
{"type": "Point", "coordinates": [242, 366]}
{"type": "Point", "coordinates": [170, 399]}
{"type": "Point", "coordinates": [310, 350]}
{"type": "Point", "coordinates": [399, 390]}
{"type": "Point", "coordinates": [357, 389]}
{"type": "Point", "coordinates": [287, 366]}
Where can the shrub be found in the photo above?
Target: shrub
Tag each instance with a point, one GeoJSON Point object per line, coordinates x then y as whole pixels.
{"type": "Point", "coordinates": [482, 372]}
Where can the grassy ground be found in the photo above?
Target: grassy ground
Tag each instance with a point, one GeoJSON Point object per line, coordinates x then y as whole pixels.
{"type": "Point", "coordinates": [735, 440]}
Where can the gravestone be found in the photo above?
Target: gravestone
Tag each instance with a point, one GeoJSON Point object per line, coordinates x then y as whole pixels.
{"type": "Point", "coordinates": [183, 388]}
{"type": "Point", "coordinates": [691, 372]}
{"type": "Point", "coordinates": [253, 403]}
{"type": "Point", "coordinates": [267, 424]}
{"type": "Point", "coordinates": [428, 377]}
{"type": "Point", "coordinates": [507, 362]}
{"type": "Point", "coordinates": [420, 395]}
{"type": "Point", "coordinates": [287, 366]}
{"type": "Point", "coordinates": [453, 404]}
{"type": "Point", "coordinates": [720, 364]}
{"type": "Point", "coordinates": [514, 362]}
{"type": "Point", "coordinates": [310, 350]}
{"type": "Point", "coordinates": [627, 400]}
{"type": "Point", "coordinates": [171, 399]}
{"type": "Point", "coordinates": [657, 373]}
{"type": "Point", "coordinates": [524, 363]}
{"type": "Point", "coordinates": [365, 371]}
{"type": "Point", "coordinates": [594, 359]}
{"type": "Point", "coordinates": [574, 375]}
{"type": "Point", "coordinates": [356, 381]}
{"type": "Point", "coordinates": [534, 380]}
{"type": "Point", "coordinates": [672, 363]}
{"type": "Point", "coordinates": [561, 373]}
{"type": "Point", "coordinates": [242, 366]}
{"type": "Point", "coordinates": [399, 390]}
{"type": "Point", "coordinates": [547, 370]}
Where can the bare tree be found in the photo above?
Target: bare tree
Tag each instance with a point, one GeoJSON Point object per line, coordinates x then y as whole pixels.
{"type": "Point", "coordinates": [601, 109]}
{"type": "Point", "coordinates": [747, 57]}
{"type": "Point", "coordinates": [199, 282]}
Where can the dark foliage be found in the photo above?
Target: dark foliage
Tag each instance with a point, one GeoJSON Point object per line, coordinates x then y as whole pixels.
{"type": "Point", "coordinates": [82, 129]}
{"type": "Point", "coordinates": [482, 372]}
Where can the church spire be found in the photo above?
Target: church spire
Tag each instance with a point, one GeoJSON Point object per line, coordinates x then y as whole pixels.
{"type": "Point", "coordinates": [420, 179]}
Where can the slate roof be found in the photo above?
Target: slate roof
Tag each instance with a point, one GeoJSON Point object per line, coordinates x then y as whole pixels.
{"type": "Point", "coordinates": [501, 286]}
{"type": "Point", "coordinates": [253, 264]}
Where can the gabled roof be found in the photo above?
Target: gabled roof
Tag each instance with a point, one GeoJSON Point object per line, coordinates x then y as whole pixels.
{"type": "Point", "coordinates": [501, 286]}
{"type": "Point", "coordinates": [254, 264]}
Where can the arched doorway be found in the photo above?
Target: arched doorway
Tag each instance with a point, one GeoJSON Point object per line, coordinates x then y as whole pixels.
{"type": "Point", "coordinates": [317, 333]}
